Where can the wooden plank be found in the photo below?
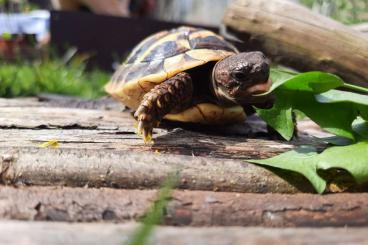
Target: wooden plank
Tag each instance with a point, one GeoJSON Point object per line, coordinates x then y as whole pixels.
{"type": "Point", "coordinates": [99, 148]}
{"type": "Point", "coordinates": [295, 36]}
{"type": "Point", "coordinates": [186, 208]}
{"type": "Point", "coordinates": [15, 233]}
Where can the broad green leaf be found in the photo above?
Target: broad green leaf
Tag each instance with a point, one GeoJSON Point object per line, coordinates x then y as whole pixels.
{"type": "Point", "coordinates": [278, 77]}
{"type": "Point", "coordinates": [363, 110]}
{"type": "Point", "coordinates": [316, 82]}
{"type": "Point", "coordinates": [359, 101]}
{"type": "Point", "coordinates": [344, 114]}
{"type": "Point", "coordinates": [302, 161]}
{"type": "Point", "coordinates": [298, 93]}
{"type": "Point", "coordinates": [352, 158]}
{"type": "Point", "coordinates": [336, 96]}
{"type": "Point", "coordinates": [279, 117]}
{"type": "Point", "coordinates": [334, 118]}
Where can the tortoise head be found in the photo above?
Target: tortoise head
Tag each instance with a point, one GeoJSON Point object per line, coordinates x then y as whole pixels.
{"type": "Point", "coordinates": [237, 78]}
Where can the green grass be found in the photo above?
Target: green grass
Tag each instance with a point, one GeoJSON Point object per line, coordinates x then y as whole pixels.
{"type": "Point", "coordinates": [29, 78]}
{"type": "Point", "coordinates": [345, 11]}
{"type": "Point", "coordinates": [157, 212]}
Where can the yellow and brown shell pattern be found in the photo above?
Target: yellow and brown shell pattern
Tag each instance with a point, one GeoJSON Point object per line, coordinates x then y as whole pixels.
{"type": "Point", "coordinates": [163, 55]}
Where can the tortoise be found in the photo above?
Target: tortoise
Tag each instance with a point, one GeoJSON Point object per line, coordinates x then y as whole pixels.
{"type": "Point", "coordinates": [189, 74]}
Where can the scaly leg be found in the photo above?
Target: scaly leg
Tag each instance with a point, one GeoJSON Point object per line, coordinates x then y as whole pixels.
{"type": "Point", "coordinates": [174, 94]}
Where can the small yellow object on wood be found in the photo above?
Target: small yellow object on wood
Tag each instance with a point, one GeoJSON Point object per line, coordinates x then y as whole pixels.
{"type": "Point", "coordinates": [50, 143]}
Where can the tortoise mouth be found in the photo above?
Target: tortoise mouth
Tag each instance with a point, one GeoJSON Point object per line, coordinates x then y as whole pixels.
{"type": "Point", "coordinates": [260, 88]}
{"type": "Point", "coordinates": [253, 93]}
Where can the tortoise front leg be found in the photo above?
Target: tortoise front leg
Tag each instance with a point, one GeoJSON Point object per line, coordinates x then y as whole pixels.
{"type": "Point", "coordinates": [173, 94]}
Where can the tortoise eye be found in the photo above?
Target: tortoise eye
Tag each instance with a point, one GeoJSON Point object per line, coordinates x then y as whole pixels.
{"type": "Point", "coordinates": [239, 75]}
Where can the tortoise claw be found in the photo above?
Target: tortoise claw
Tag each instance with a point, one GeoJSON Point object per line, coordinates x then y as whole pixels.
{"type": "Point", "coordinates": [145, 131]}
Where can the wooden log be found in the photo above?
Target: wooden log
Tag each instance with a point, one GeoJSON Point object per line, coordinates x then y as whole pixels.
{"type": "Point", "coordinates": [186, 208]}
{"type": "Point", "coordinates": [88, 165]}
{"type": "Point", "coordinates": [39, 233]}
{"type": "Point", "coordinates": [297, 37]}
{"type": "Point", "coordinates": [363, 27]}
{"type": "Point", "coordinates": [99, 148]}
{"type": "Point", "coordinates": [54, 100]}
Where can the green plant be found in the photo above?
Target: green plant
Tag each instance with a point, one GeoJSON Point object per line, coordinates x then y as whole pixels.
{"type": "Point", "coordinates": [155, 215]}
{"type": "Point", "coordinates": [342, 113]}
{"type": "Point", "coordinates": [51, 75]}
{"type": "Point", "coordinates": [346, 11]}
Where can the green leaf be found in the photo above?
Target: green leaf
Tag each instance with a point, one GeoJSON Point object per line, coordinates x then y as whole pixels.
{"type": "Point", "coordinates": [315, 81]}
{"type": "Point", "coordinates": [344, 114]}
{"type": "Point", "coordinates": [280, 118]}
{"type": "Point", "coordinates": [363, 110]}
{"type": "Point", "coordinates": [352, 158]}
{"type": "Point", "coordinates": [358, 101]}
{"type": "Point", "coordinates": [336, 96]}
{"type": "Point", "coordinates": [333, 113]}
{"type": "Point", "coordinates": [302, 161]}
{"type": "Point", "coordinates": [278, 77]}
{"type": "Point", "coordinates": [334, 118]}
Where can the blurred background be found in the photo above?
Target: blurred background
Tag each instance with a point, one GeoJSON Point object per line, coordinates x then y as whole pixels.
{"type": "Point", "coordinates": [72, 46]}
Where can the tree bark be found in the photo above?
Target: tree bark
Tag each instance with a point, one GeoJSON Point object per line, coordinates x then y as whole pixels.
{"type": "Point", "coordinates": [295, 36]}
{"type": "Point", "coordinates": [186, 208]}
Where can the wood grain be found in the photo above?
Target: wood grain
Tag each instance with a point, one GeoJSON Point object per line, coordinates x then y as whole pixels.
{"type": "Point", "coordinates": [98, 147]}
{"type": "Point", "coordinates": [50, 233]}
{"type": "Point", "coordinates": [186, 208]}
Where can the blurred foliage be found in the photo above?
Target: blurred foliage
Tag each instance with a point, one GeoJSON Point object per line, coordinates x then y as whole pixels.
{"type": "Point", "coordinates": [55, 75]}
{"type": "Point", "coordinates": [15, 6]}
{"type": "Point", "coordinates": [345, 11]}
{"type": "Point", "coordinates": [29, 78]}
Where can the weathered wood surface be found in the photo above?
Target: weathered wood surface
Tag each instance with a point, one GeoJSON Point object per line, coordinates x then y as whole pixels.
{"type": "Point", "coordinates": [295, 36]}
{"type": "Point", "coordinates": [363, 27]}
{"type": "Point", "coordinates": [41, 233]}
{"type": "Point", "coordinates": [186, 208]}
{"type": "Point", "coordinates": [99, 148]}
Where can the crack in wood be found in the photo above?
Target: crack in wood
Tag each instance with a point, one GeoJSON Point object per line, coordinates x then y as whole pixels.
{"type": "Point", "coordinates": [5, 166]}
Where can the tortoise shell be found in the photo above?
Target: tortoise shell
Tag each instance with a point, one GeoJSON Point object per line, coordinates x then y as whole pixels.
{"type": "Point", "coordinates": [165, 54]}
